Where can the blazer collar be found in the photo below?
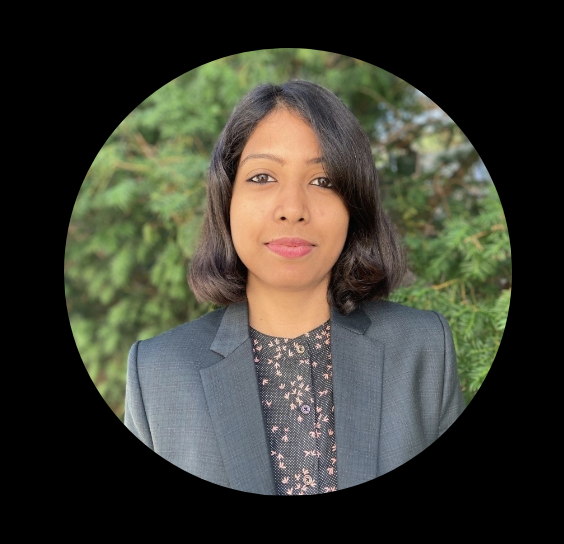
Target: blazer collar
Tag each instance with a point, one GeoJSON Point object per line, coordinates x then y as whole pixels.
{"type": "Point", "coordinates": [233, 397]}
{"type": "Point", "coordinates": [358, 363]}
{"type": "Point", "coordinates": [233, 400]}
{"type": "Point", "coordinates": [233, 329]}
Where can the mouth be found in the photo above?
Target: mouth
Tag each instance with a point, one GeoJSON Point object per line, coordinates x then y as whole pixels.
{"type": "Point", "coordinates": [290, 248]}
{"type": "Point", "coordinates": [291, 242]}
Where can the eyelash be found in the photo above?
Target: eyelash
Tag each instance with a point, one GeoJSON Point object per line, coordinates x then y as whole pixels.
{"type": "Point", "coordinates": [253, 180]}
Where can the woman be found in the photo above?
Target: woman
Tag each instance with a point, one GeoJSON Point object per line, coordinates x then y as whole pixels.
{"type": "Point", "coordinates": [306, 380]}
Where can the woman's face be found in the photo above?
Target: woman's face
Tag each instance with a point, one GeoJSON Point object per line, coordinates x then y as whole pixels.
{"type": "Point", "coordinates": [287, 224]}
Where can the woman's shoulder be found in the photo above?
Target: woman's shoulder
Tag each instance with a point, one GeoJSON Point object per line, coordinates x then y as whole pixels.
{"type": "Point", "coordinates": [199, 331]}
{"type": "Point", "coordinates": [387, 316]}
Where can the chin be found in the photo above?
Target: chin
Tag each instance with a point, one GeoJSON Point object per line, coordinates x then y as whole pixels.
{"type": "Point", "coordinates": [292, 282]}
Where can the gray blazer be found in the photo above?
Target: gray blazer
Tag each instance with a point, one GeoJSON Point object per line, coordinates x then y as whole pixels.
{"type": "Point", "coordinates": [192, 394]}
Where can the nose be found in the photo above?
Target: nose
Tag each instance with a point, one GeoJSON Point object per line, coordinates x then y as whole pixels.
{"type": "Point", "coordinates": [292, 205]}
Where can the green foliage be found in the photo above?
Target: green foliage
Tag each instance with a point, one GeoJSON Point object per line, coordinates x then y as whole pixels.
{"type": "Point", "coordinates": [138, 213]}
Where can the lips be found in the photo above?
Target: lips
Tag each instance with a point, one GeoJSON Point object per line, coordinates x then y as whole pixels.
{"type": "Point", "coordinates": [290, 248]}
{"type": "Point", "coordinates": [291, 242]}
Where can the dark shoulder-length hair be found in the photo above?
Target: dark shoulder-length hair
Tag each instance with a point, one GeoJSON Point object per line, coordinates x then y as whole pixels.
{"type": "Point", "coordinates": [372, 262]}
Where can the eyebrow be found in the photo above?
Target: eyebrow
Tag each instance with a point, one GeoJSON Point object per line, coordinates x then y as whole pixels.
{"type": "Point", "coordinates": [276, 158]}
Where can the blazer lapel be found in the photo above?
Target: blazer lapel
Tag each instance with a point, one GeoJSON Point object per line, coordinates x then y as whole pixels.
{"type": "Point", "coordinates": [233, 399]}
{"type": "Point", "coordinates": [357, 393]}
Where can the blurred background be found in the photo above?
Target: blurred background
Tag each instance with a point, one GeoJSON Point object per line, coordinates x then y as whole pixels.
{"type": "Point", "coordinates": [139, 210]}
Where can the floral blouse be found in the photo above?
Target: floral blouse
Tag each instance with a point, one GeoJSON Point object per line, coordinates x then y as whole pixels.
{"type": "Point", "coordinates": [296, 388]}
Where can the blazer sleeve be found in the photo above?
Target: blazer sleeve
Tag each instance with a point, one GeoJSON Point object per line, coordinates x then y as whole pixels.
{"type": "Point", "coordinates": [452, 398]}
{"type": "Point", "coordinates": [135, 416]}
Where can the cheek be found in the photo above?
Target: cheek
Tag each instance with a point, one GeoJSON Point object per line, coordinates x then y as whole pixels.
{"type": "Point", "coordinates": [237, 224]}
{"type": "Point", "coordinates": [341, 234]}
{"type": "Point", "coordinates": [243, 223]}
{"type": "Point", "coordinates": [338, 220]}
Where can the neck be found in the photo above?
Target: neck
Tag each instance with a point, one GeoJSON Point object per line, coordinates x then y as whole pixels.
{"type": "Point", "coordinates": [287, 313]}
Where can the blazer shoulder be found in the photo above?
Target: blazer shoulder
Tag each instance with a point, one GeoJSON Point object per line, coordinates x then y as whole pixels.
{"type": "Point", "coordinates": [197, 335]}
{"type": "Point", "coordinates": [392, 318]}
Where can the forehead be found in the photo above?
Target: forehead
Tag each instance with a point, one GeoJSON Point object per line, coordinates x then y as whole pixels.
{"type": "Point", "coordinates": [282, 131]}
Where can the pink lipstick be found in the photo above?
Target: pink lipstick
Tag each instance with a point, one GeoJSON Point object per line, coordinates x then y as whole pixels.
{"type": "Point", "coordinates": [291, 248]}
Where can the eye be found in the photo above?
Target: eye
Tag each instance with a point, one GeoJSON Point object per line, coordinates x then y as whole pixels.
{"type": "Point", "coordinates": [261, 179]}
{"type": "Point", "coordinates": [322, 182]}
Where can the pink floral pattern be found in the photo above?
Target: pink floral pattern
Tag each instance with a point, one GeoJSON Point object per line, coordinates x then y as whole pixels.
{"type": "Point", "coordinates": [295, 380]}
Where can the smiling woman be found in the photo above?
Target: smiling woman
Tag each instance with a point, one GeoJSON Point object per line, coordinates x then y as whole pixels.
{"type": "Point", "coordinates": [288, 226]}
{"type": "Point", "coordinates": [307, 380]}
